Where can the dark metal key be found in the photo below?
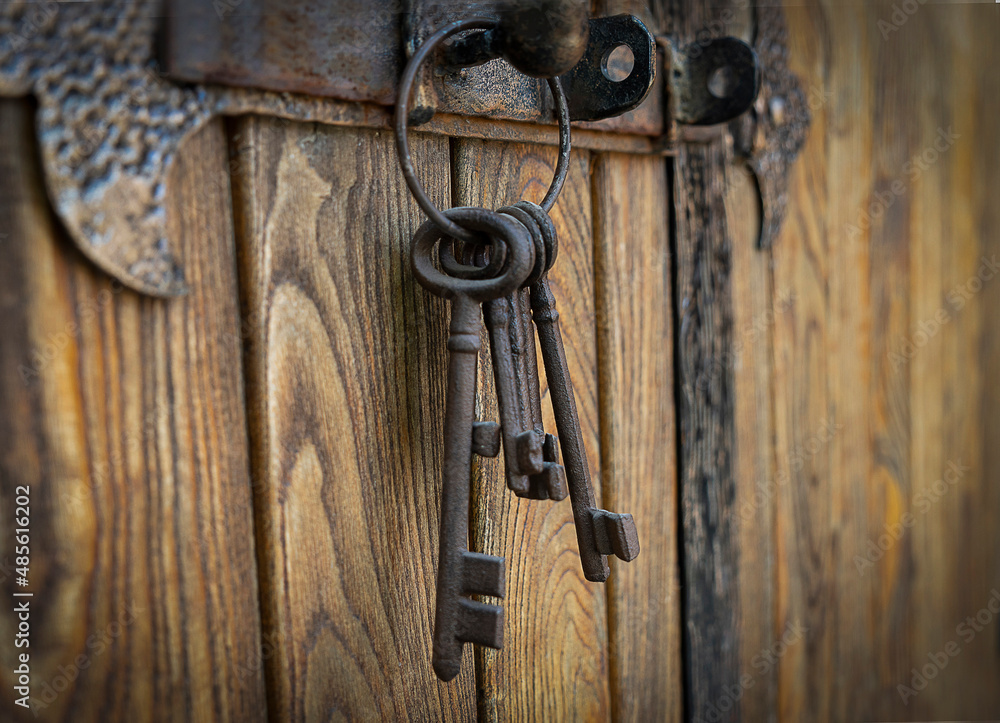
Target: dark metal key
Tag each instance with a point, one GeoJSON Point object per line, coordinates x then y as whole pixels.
{"type": "Point", "coordinates": [531, 456]}
{"type": "Point", "coordinates": [547, 481]}
{"type": "Point", "coordinates": [599, 532]}
{"type": "Point", "coordinates": [459, 619]}
{"type": "Point", "coordinates": [522, 444]}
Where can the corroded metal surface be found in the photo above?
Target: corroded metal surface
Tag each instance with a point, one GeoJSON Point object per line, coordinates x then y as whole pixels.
{"type": "Point", "coordinates": [592, 93]}
{"type": "Point", "coordinates": [712, 81]}
{"type": "Point", "coordinates": [540, 38]}
{"type": "Point", "coordinates": [352, 49]}
{"type": "Point", "coordinates": [110, 125]}
{"type": "Point", "coordinates": [107, 127]}
{"type": "Point", "coordinates": [461, 572]}
{"type": "Point", "coordinates": [770, 138]}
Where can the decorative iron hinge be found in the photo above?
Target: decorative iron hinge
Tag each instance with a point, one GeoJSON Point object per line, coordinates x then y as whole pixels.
{"type": "Point", "coordinates": [113, 113]}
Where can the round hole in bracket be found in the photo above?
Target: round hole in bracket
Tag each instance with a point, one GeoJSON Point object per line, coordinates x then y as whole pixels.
{"type": "Point", "coordinates": [618, 63]}
{"type": "Point", "coordinates": [722, 82]}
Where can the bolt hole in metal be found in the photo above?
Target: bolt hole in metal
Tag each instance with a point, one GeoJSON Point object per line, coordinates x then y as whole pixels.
{"type": "Point", "coordinates": [722, 82]}
{"type": "Point", "coordinates": [618, 63]}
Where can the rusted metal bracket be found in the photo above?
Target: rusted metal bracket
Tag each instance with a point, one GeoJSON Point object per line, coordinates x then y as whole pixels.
{"type": "Point", "coordinates": [712, 82]}
{"type": "Point", "coordinates": [770, 138]}
{"type": "Point", "coordinates": [110, 124]}
{"type": "Point", "coordinates": [591, 89]}
{"type": "Point", "coordinates": [594, 88]}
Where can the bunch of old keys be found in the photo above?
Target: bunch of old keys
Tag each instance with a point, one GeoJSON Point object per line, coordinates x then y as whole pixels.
{"type": "Point", "coordinates": [493, 265]}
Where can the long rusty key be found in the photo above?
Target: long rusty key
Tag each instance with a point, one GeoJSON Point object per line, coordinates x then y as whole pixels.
{"type": "Point", "coordinates": [458, 619]}
{"type": "Point", "coordinates": [522, 444]}
{"type": "Point", "coordinates": [598, 532]}
{"type": "Point", "coordinates": [531, 456]}
{"type": "Point", "coordinates": [549, 480]}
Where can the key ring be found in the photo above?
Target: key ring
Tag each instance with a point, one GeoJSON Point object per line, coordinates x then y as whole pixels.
{"type": "Point", "coordinates": [448, 226]}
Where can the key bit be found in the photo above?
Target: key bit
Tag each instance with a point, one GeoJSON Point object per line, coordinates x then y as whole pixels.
{"type": "Point", "coordinates": [458, 619]}
{"type": "Point", "coordinates": [486, 439]}
{"type": "Point", "coordinates": [550, 483]}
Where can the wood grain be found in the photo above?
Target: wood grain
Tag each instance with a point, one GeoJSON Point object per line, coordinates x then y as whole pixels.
{"type": "Point", "coordinates": [706, 424]}
{"type": "Point", "coordinates": [638, 433]}
{"type": "Point", "coordinates": [554, 662]}
{"type": "Point", "coordinates": [756, 309]}
{"type": "Point", "coordinates": [346, 369]}
{"type": "Point", "coordinates": [705, 338]}
{"type": "Point", "coordinates": [124, 416]}
{"type": "Point", "coordinates": [880, 236]}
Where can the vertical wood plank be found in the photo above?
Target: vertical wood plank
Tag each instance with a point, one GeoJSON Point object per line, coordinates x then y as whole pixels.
{"type": "Point", "coordinates": [711, 557]}
{"type": "Point", "coordinates": [756, 309]}
{"type": "Point", "coordinates": [880, 554]}
{"type": "Point", "coordinates": [638, 433]}
{"type": "Point", "coordinates": [706, 423]}
{"type": "Point", "coordinates": [346, 379]}
{"type": "Point", "coordinates": [125, 418]}
{"type": "Point", "coordinates": [554, 662]}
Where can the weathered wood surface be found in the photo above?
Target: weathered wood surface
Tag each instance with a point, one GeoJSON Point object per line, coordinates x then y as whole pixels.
{"type": "Point", "coordinates": [756, 307]}
{"type": "Point", "coordinates": [346, 365]}
{"type": "Point", "coordinates": [851, 401]}
{"type": "Point", "coordinates": [638, 432]}
{"type": "Point", "coordinates": [891, 337]}
{"type": "Point", "coordinates": [554, 662]}
{"type": "Point", "coordinates": [125, 418]}
{"type": "Point", "coordinates": [706, 404]}
{"type": "Point", "coordinates": [819, 404]}
{"type": "Point", "coordinates": [705, 410]}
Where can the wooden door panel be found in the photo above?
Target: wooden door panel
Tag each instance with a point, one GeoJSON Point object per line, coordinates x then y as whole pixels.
{"type": "Point", "coordinates": [346, 365]}
{"type": "Point", "coordinates": [638, 433]}
{"type": "Point", "coordinates": [124, 416]}
{"type": "Point", "coordinates": [782, 412]}
{"type": "Point", "coordinates": [854, 404]}
{"type": "Point", "coordinates": [554, 661]}
{"type": "Point", "coordinates": [871, 278]}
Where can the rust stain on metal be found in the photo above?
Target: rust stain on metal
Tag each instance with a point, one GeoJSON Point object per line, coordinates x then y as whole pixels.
{"type": "Point", "coordinates": [772, 135]}
{"type": "Point", "coordinates": [355, 50]}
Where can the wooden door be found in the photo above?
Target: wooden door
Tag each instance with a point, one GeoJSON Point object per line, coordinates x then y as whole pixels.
{"type": "Point", "coordinates": [234, 494]}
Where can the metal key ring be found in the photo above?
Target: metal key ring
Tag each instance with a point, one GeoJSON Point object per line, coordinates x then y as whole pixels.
{"type": "Point", "coordinates": [403, 149]}
{"type": "Point", "coordinates": [520, 256]}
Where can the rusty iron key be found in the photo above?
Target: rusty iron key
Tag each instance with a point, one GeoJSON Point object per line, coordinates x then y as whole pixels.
{"type": "Point", "coordinates": [459, 619]}
{"type": "Point", "coordinates": [599, 532]}
{"type": "Point", "coordinates": [548, 481]}
{"type": "Point", "coordinates": [531, 456]}
{"type": "Point", "coordinates": [522, 444]}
